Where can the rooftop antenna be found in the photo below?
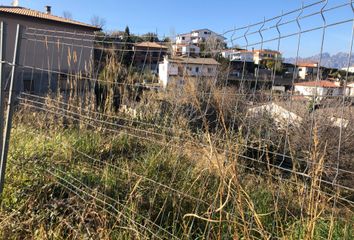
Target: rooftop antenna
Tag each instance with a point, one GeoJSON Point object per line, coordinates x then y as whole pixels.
{"type": "Point", "coordinates": [15, 3]}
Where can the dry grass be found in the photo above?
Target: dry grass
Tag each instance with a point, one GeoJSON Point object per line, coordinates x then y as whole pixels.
{"type": "Point", "coordinates": [189, 164]}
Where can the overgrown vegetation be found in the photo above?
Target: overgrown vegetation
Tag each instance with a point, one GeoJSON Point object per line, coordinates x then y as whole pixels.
{"type": "Point", "coordinates": [189, 162]}
{"type": "Point", "coordinates": [79, 181]}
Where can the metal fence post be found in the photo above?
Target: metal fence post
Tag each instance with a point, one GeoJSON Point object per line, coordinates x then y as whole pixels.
{"type": "Point", "coordinates": [10, 108]}
{"type": "Point", "coordinates": [2, 112]}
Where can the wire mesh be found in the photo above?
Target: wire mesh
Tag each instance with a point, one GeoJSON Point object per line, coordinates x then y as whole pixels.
{"type": "Point", "coordinates": [218, 119]}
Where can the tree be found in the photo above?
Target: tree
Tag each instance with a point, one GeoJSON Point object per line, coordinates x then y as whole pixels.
{"type": "Point", "coordinates": [167, 40]}
{"type": "Point", "coordinates": [150, 37]}
{"type": "Point", "coordinates": [67, 15]}
{"type": "Point", "coordinates": [211, 47]}
{"type": "Point", "coordinates": [274, 65]}
{"type": "Point", "coordinates": [98, 21]}
{"type": "Point", "coordinates": [127, 32]}
{"type": "Point", "coordinates": [127, 50]}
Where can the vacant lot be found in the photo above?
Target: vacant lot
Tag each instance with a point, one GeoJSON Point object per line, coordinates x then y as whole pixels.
{"type": "Point", "coordinates": [88, 183]}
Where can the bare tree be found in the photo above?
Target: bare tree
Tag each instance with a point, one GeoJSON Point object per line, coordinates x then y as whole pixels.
{"type": "Point", "coordinates": [67, 15]}
{"type": "Point", "coordinates": [98, 21]}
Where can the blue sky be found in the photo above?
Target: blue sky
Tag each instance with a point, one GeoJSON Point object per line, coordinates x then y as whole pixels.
{"type": "Point", "coordinates": [170, 17]}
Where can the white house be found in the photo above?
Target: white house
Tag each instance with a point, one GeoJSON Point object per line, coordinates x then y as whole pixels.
{"type": "Point", "coordinates": [261, 56]}
{"type": "Point", "coordinates": [350, 89]}
{"type": "Point", "coordinates": [178, 70]}
{"type": "Point", "coordinates": [319, 88]}
{"type": "Point", "coordinates": [238, 55]}
{"type": "Point", "coordinates": [185, 50]}
{"type": "Point", "coordinates": [307, 70]}
{"type": "Point", "coordinates": [350, 69]}
{"type": "Point", "coordinates": [188, 44]}
{"type": "Point", "coordinates": [204, 35]}
{"type": "Point", "coordinates": [184, 39]}
{"type": "Point", "coordinates": [199, 36]}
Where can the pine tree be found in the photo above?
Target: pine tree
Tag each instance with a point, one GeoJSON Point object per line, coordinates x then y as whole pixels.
{"type": "Point", "coordinates": [127, 54]}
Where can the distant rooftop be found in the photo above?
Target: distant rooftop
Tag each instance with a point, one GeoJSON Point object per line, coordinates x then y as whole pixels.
{"type": "Point", "coordinates": [307, 64]}
{"type": "Point", "coordinates": [190, 60]}
{"type": "Point", "coordinates": [41, 15]}
{"type": "Point", "coordinates": [322, 83]}
{"type": "Point", "coordinates": [150, 45]}
{"type": "Point", "coordinates": [200, 30]}
{"type": "Point", "coordinates": [266, 51]}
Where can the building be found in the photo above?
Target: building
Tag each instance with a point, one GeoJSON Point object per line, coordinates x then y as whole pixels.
{"type": "Point", "coordinates": [189, 44]}
{"type": "Point", "coordinates": [238, 55]}
{"type": "Point", "coordinates": [320, 88]}
{"type": "Point", "coordinates": [261, 57]}
{"type": "Point", "coordinates": [237, 69]}
{"type": "Point", "coordinates": [186, 50]}
{"type": "Point", "coordinates": [184, 39]}
{"type": "Point", "coordinates": [178, 70]}
{"type": "Point", "coordinates": [257, 56]}
{"type": "Point", "coordinates": [50, 47]}
{"type": "Point", "coordinates": [307, 71]}
{"type": "Point", "coordinates": [116, 35]}
{"type": "Point", "coordinates": [147, 55]}
{"type": "Point", "coordinates": [350, 89]}
{"type": "Point", "coordinates": [350, 69]}
{"type": "Point", "coordinates": [197, 37]}
{"type": "Point", "coordinates": [205, 35]}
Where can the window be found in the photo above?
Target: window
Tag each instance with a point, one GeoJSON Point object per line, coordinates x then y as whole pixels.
{"type": "Point", "coordinates": [183, 38]}
{"type": "Point", "coordinates": [210, 70]}
{"type": "Point", "coordinates": [28, 85]}
{"type": "Point", "coordinates": [197, 69]}
{"type": "Point", "coordinates": [205, 32]}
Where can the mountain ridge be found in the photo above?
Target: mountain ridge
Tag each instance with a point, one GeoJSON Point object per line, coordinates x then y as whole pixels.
{"type": "Point", "coordinates": [338, 60]}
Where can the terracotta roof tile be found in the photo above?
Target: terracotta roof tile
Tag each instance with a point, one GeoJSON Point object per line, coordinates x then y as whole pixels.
{"type": "Point", "coordinates": [150, 45]}
{"type": "Point", "coordinates": [307, 64]}
{"type": "Point", "coordinates": [37, 14]}
{"type": "Point", "coordinates": [322, 83]}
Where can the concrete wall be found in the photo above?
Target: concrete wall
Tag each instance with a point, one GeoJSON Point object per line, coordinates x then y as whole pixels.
{"type": "Point", "coordinates": [42, 54]}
